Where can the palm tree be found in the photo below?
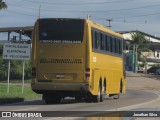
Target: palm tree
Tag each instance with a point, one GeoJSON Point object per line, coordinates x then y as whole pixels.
{"type": "Point", "coordinates": [3, 5]}
{"type": "Point", "coordinates": [141, 42]}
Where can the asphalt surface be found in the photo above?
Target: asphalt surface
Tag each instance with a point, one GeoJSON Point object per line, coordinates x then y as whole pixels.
{"type": "Point", "coordinates": [132, 97]}
{"type": "Point", "coordinates": [143, 93]}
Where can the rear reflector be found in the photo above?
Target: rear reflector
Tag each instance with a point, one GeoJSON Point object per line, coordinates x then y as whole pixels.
{"type": "Point", "coordinates": [87, 73]}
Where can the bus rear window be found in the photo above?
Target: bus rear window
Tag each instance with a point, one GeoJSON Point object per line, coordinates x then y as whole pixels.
{"type": "Point", "coordinates": [61, 30]}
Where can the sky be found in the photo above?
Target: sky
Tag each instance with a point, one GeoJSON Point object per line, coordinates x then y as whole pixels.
{"type": "Point", "coordinates": [126, 15]}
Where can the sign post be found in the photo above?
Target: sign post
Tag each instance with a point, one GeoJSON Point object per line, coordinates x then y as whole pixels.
{"type": "Point", "coordinates": [16, 51]}
{"type": "Point", "coordinates": [23, 77]}
{"type": "Point", "coordinates": [8, 76]}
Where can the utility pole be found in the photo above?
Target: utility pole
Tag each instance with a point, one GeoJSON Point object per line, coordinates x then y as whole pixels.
{"type": "Point", "coordinates": [109, 20]}
{"type": "Point", "coordinates": [88, 16]}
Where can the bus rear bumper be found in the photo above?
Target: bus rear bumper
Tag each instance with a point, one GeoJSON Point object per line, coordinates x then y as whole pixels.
{"type": "Point", "coordinates": [59, 87]}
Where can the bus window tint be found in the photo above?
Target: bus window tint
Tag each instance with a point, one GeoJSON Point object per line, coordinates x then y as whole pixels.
{"type": "Point", "coordinates": [93, 39]}
{"type": "Point", "coordinates": [120, 46]}
{"type": "Point", "coordinates": [108, 44]}
{"type": "Point", "coordinates": [61, 31]}
{"type": "Point", "coordinates": [105, 42]}
{"type": "Point", "coordinates": [97, 40]}
{"type": "Point", "coordinates": [111, 46]}
{"type": "Point", "coordinates": [102, 41]}
{"type": "Point", "coordinates": [116, 45]}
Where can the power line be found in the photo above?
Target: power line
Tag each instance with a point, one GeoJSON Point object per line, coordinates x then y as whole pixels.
{"type": "Point", "coordinates": [109, 21]}
{"type": "Point", "coordinates": [116, 10]}
{"type": "Point", "coordinates": [21, 13]}
{"type": "Point", "coordinates": [24, 7]}
{"type": "Point", "coordinates": [143, 15]}
{"type": "Point", "coordinates": [132, 21]}
{"type": "Point", "coordinates": [118, 1]}
{"type": "Point", "coordinates": [86, 10]}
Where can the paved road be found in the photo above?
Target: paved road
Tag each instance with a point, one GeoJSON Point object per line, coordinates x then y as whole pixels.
{"type": "Point", "coordinates": [132, 97]}
{"type": "Point", "coordinates": [142, 93]}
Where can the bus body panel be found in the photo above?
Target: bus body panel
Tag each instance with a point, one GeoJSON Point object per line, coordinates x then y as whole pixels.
{"type": "Point", "coordinates": [62, 67]}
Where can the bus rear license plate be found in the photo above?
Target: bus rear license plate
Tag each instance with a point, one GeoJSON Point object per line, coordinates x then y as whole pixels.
{"type": "Point", "coordinates": [60, 76]}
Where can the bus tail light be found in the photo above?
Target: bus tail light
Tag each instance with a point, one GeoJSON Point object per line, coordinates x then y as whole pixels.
{"type": "Point", "coordinates": [87, 73]}
{"type": "Point", "coordinates": [33, 72]}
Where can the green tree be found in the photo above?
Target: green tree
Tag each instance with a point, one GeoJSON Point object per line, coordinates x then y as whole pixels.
{"type": "Point", "coordinates": [3, 5]}
{"type": "Point", "coordinates": [142, 44]}
{"type": "Point", "coordinates": [3, 65]}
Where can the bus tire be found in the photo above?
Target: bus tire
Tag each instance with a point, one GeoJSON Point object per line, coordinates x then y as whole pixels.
{"type": "Point", "coordinates": [97, 98]}
{"type": "Point", "coordinates": [88, 97]}
{"type": "Point", "coordinates": [103, 92]}
{"type": "Point", "coordinates": [78, 98]}
{"type": "Point", "coordinates": [50, 100]}
{"type": "Point", "coordinates": [116, 96]}
{"type": "Point", "coordinates": [121, 86]}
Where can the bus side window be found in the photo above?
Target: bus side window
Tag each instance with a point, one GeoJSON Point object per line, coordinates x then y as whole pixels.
{"type": "Point", "coordinates": [97, 40]}
{"type": "Point", "coordinates": [111, 46]}
{"type": "Point", "coordinates": [108, 44]}
{"type": "Point", "coordinates": [102, 41]}
{"type": "Point", "coordinates": [93, 39]}
{"type": "Point", "coordinates": [120, 46]}
{"type": "Point", "coordinates": [105, 43]}
{"type": "Point", "coordinates": [116, 45]}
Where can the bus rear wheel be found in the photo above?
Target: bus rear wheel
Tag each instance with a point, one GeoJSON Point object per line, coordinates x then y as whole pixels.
{"type": "Point", "coordinates": [51, 100]}
{"type": "Point", "coordinates": [116, 96]}
{"type": "Point", "coordinates": [98, 98]}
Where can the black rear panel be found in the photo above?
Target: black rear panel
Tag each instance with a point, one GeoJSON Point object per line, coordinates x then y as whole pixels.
{"type": "Point", "coordinates": [61, 30]}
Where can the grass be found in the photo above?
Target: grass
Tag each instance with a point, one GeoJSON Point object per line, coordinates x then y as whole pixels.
{"type": "Point", "coordinates": [16, 81]}
{"type": "Point", "coordinates": [15, 94]}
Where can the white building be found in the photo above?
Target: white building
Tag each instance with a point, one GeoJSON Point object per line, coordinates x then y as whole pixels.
{"type": "Point", "coordinates": [127, 36]}
{"type": "Point", "coordinates": [152, 57]}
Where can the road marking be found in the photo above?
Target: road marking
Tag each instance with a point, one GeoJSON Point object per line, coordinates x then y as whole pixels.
{"type": "Point", "coordinates": [66, 118]}
{"type": "Point", "coordinates": [137, 105]}
{"type": "Point", "coordinates": [25, 109]}
{"type": "Point", "coordinates": [117, 109]}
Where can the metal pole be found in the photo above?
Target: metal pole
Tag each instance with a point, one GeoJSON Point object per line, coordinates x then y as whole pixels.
{"type": "Point", "coordinates": [136, 60]}
{"type": "Point", "coordinates": [8, 76]}
{"type": "Point", "coordinates": [39, 16]}
{"type": "Point", "coordinates": [133, 63]}
{"type": "Point", "coordinates": [23, 77]}
{"type": "Point", "coordinates": [20, 36]}
{"type": "Point", "coordinates": [88, 16]}
{"type": "Point", "coordinates": [109, 20]}
{"type": "Point", "coordinates": [8, 36]}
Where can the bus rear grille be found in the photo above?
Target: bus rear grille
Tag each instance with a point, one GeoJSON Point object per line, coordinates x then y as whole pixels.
{"type": "Point", "coordinates": [61, 60]}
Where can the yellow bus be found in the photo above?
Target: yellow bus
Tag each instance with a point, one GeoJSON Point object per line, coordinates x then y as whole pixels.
{"type": "Point", "coordinates": [76, 58]}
